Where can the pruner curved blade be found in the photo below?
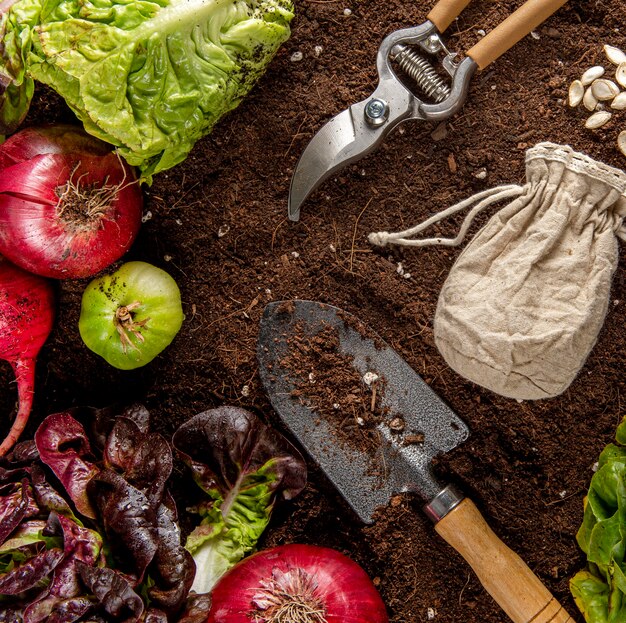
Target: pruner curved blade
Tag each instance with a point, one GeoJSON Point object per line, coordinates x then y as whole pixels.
{"type": "Point", "coordinates": [361, 128]}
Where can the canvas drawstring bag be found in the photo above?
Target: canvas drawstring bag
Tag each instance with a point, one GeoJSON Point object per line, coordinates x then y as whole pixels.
{"type": "Point", "coordinates": [524, 302]}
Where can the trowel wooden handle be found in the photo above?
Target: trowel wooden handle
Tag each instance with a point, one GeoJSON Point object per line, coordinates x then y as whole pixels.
{"type": "Point", "coordinates": [445, 11]}
{"type": "Point", "coordinates": [512, 29]}
{"type": "Point", "coordinates": [505, 576]}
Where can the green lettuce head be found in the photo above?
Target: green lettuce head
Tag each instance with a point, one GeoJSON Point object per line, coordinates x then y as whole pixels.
{"type": "Point", "coordinates": [600, 590]}
{"type": "Point", "coordinates": [149, 76]}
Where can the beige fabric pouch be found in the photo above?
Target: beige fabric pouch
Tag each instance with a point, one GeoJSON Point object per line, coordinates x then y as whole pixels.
{"type": "Point", "coordinates": [523, 304]}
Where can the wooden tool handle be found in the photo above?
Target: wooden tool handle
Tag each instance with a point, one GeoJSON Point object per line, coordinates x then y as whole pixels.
{"type": "Point", "coordinates": [512, 29]}
{"type": "Point", "coordinates": [505, 576]}
{"type": "Point", "coordinates": [444, 12]}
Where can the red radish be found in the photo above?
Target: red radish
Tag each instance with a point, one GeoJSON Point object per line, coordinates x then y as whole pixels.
{"type": "Point", "coordinates": [296, 584]}
{"type": "Point", "coordinates": [26, 319]}
{"type": "Point", "coordinates": [69, 206]}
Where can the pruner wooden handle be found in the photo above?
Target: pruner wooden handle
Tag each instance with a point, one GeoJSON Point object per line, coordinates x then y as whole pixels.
{"type": "Point", "coordinates": [505, 576]}
{"type": "Point", "coordinates": [445, 11]}
{"type": "Point", "coordinates": [515, 27]}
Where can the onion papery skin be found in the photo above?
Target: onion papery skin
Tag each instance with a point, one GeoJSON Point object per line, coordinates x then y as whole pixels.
{"type": "Point", "coordinates": [26, 319]}
{"type": "Point", "coordinates": [348, 594]}
{"type": "Point", "coordinates": [38, 231]}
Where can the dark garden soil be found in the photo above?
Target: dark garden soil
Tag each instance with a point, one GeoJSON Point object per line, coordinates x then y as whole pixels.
{"type": "Point", "coordinates": [219, 226]}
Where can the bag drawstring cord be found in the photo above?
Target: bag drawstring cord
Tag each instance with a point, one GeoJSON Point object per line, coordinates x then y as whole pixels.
{"type": "Point", "coordinates": [480, 201]}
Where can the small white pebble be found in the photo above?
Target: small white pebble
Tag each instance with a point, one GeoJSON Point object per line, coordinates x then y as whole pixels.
{"type": "Point", "coordinates": [360, 421]}
{"type": "Point", "coordinates": [296, 56]}
{"type": "Point", "coordinates": [318, 50]}
{"type": "Point", "coordinates": [268, 292]}
{"type": "Point", "coordinates": [311, 377]}
{"type": "Point", "coordinates": [295, 254]}
{"type": "Point", "coordinates": [178, 222]}
{"type": "Point", "coordinates": [223, 230]}
{"type": "Point", "coordinates": [333, 248]}
{"type": "Point", "coordinates": [616, 302]}
{"type": "Point", "coordinates": [370, 377]}
{"type": "Point", "coordinates": [245, 391]}
{"type": "Point", "coordinates": [347, 12]}
{"type": "Point", "coordinates": [481, 33]}
{"type": "Point", "coordinates": [407, 275]}
{"type": "Point", "coordinates": [146, 217]}
{"type": "Point", "coordinates": [481, 175]}
{"type": "Point", "coordinates": [336, 406]}
{"type": "Point", "coordinates": [167, 258]}
{"type": "Point", "coordinates": [493, 87]}
{"type": "Point", "coordinates": [431, 613]}
{"type": "Point", "coordinates": [362, 173]}
{"type": "Point", "coordinates": [562, 494]}
{"type": "Point", "coordinates": [400, 269]}
{"type": "Point", "coordinates": [535, 35]}
{"type": "Point", "coordinates": [595, 467]}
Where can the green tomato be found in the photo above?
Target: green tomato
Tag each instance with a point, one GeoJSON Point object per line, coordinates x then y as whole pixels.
{"type": "Point", "coordinates": [129, 317]}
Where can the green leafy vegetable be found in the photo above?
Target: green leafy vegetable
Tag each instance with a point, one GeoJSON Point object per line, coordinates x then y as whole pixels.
{"type": "Point", "coordinates": [149, 76]}
{"type": "Point", "coordinates": [244, 466]}
{"type": "Point", "coordinates": [600, 590]}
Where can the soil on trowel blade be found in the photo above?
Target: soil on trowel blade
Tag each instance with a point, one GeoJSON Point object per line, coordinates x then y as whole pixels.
{"type": "Point", "coordinates": [218, 224]}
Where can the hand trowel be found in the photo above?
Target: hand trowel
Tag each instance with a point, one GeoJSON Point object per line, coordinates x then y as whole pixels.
{"type": "Point", "coordinates": [407, 462]}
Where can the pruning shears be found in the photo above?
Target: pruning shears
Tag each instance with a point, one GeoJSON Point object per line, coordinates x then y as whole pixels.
{"type": "Point", "coordinates": [361, 128]}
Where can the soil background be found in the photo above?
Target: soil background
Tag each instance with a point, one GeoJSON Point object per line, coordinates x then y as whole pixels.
{"type": "Point", "coordinates": [219, 226]}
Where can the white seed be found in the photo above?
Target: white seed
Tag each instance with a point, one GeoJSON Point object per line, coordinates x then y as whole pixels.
{"type": "Point", "coordinates": [619, 103]}
{"type": "Point", "coordinates": [589, 100]}
{"type": "Point", "coordinates": [593, 73]}
{"type": "Point", "coordinates": [615, 55]}
{"type": "Point", "coordinates": [597, 120]}
{"type": "Point", "coordinates": [620, 74]}
{"type": "Point", "coordinates": [621, 142]}
{"type": "Point", "coordinates": [576, 92]}
{"type": "Point", "coordinates": [604, 89]}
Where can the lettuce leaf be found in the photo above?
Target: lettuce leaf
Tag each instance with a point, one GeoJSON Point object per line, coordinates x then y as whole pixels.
{"type": "Point", "coordinates": [600, 590]}
{"type": "Point", "coordinates": [244, 466]}
{"type": "Point", "coordinates": [149, 76]}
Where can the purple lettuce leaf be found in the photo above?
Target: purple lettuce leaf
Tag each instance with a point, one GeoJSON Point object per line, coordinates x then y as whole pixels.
{"type": "Point", "coordinates": [244, 466]}
{"type": "Point", "coordinates": [197, 608]}
{"type": "Point", "coordinates": [63, 446]}
{"type": "Point", "coordinates": [145, 459]}
{"type": "Point", "coordinates": [173, 568]}
{"type": "Point", "coordinates": [30, 573]}
{"type": "Point", "coordinates": [53, 609]}
{"type": "Point", "coordinates": [16, 505]}
{"type": "Point", "coordinates": [129, 520]}
{"type": "Point", "coordinates": [225, 445]}
{"type": "Point", "coordinates": [112, 590]}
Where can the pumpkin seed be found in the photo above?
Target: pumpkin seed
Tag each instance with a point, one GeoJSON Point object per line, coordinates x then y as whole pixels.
{"type": "Point", "coordinates": [615, 55]}
{"type": "Point", "coordinates": [619, 103]}
{"type": "Point", "coordinates": [604, 89]}
{"type": "Point", "coordinates": [576, 92]}
{"type": "Point", "coordinates": [589, 100]}
{"type": "Point", "coordinates": [620, 74]}
{"type": "Point", "coordinates": [593, 73]}
{"type": "Point", "coordinates": [597, 120]}
{"type": "Point", "coordinates": [621, 142]}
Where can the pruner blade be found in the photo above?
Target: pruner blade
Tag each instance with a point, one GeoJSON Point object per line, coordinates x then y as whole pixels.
{"type": "Point", "coordinates": [346, 138]}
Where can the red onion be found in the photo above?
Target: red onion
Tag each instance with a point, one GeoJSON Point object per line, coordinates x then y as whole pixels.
{"type": "Point", "coordinates": [69, 206]}
{"type": "Point", "coordinates": [296, 584]}
{"type": "Point", "coordinates": [26, 319]}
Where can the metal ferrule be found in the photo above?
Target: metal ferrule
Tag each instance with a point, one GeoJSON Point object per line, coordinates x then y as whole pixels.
{"type": "Point", "coordinates": [446, 500]}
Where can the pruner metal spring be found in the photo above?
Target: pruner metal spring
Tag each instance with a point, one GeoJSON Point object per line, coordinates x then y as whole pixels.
{"type": "Point", "coordinates": [421, 71]}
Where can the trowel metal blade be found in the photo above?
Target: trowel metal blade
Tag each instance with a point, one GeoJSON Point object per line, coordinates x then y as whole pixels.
{"type": "Point", "coordinates": [405, 463]}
